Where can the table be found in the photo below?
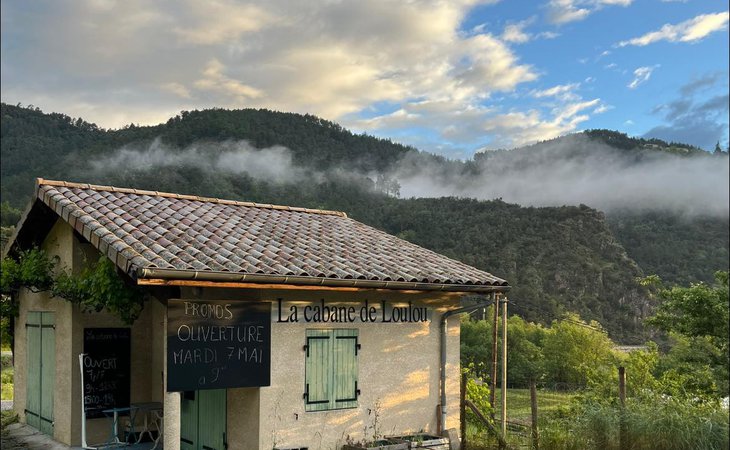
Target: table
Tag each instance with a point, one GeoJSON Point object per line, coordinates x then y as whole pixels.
{"type": "Point", "coordinates": [152, 418]}
{"type": "Point", "coordinates": [114, 438]}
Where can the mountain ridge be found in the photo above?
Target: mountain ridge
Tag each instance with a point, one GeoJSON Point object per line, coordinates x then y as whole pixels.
{"type": "Point", "coordinates": [559, 258]}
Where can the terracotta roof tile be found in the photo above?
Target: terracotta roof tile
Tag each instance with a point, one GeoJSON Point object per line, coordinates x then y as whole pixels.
{"type": "Point", "coordinates": [142, 229]}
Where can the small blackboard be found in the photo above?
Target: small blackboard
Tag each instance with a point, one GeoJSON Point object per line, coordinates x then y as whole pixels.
{"type": "Point", "coordinates": [106, 364]}
{"type": "Point", "coordinates": [215, 344]}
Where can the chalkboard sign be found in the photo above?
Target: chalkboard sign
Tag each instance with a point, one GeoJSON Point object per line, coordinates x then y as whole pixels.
{"type": "Point", "coordinates": [215, 344]}
{"type": "Point", "coordinates": [106, 365]}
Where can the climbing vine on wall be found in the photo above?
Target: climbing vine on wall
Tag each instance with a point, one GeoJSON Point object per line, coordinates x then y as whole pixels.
{"type": "Point", "coordinates": [97, 287]}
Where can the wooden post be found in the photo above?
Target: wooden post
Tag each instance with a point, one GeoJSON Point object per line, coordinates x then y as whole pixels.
{"type": "Point", "coordinates": [622, 385]}
{"type": "Point", "coordinates": [622, 431]}
{"type": "Point", "coordinates": [495, 327]}
{"type": "Point", "coordinates": [533, 407]}
{"type": "Point", "coordinates": [462, 410]}
{"type": "Point", "coordinates": [504, 367]}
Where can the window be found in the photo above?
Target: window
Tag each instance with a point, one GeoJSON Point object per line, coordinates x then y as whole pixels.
{"type": "Point", "coordinates": [331, 369]}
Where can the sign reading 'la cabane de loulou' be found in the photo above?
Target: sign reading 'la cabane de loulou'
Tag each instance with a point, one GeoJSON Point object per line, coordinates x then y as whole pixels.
{"type": "Point", "coordinates": [382, 312]}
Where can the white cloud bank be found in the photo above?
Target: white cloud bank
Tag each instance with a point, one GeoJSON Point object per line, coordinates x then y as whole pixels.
{"type": "Point", "coordinates": [692, 30]}
{"type": "Point", "coordinates": [135, 61]}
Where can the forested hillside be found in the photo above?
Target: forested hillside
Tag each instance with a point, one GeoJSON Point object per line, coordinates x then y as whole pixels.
{"type": "Point", "coordinates": [558, 258]}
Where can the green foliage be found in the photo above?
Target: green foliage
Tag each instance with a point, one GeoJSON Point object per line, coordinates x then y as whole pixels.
{"type": "Point", "coordinates": [680, 250]}
{"type": "Point", "coordinates": [659, 423]}
{"type": "Point", "coordinates": [641, 369]}
{"type": "Point", "coordinates": [525, 346]}
{"type": "Point", "coordinates": [570, 353]}
{"type": "Point", "coordinates": [477, 391]}
{"type": "Point", "coordinates": [698, 310]}
{"type": "Point", "coordinates": [698, 317]}
{"type": "Point", "coordinates": [33, 269]}
{"type": "Point", "coordinates": [6, 376]}
{"type": "Point", "coordinates": [692, 367]}
{"type": "Point", "coordinates": [9, 216]}
{"type": "Point", "coordinates": [97, 287]}
{"type": "Point", "coordinates": [578, 353]}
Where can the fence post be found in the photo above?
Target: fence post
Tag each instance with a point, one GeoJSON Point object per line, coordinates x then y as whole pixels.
{"type": "Point", "coordinates": [533, 407]}
{"type": "Point", "coordinates": [462, 411]}
{"type": "Point", "coordinates": [495, 327]}
{"type": "Point", "coordinates": [622, 431]}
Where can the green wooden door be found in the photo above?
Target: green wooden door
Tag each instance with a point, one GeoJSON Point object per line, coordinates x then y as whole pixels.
{"type": "Point", "coordinates": [212, 419]}
{"type": "Point", "coordinates": [41, 362]}
{"type": "Point", "coordinates": [203, 420]}
{"type": "Point", "coordinates": [48, 370]}
{"type": "Point", "coordinates": [189, 421]}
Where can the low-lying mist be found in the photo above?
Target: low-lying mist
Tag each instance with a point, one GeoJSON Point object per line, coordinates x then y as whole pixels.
{"type": "Point", "coordinates": [569, 171]}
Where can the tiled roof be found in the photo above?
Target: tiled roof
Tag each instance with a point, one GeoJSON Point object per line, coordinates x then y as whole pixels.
{"type": "Point", "coordinates": [151, 230]}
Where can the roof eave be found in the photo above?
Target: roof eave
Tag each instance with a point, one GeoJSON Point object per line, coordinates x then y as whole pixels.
{"type": "Point", "coordinates": [229, 277]}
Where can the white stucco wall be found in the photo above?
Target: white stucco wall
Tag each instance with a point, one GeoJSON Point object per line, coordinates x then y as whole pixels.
{"type": "Point", "coordinates": [398, 368]}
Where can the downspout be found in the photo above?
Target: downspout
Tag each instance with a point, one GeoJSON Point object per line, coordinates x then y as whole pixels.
{"type": "Point", "coordinates": [444, 318]}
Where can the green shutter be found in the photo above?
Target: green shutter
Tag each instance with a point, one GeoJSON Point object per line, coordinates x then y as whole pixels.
{"type": "Point", "coordinates": [318, 371]}
{"type": "Point", "coordinates": [345, 368]}
{"type": "Point", "coordinates": [48, 371]}
{"type": "Point", "coordinates": [33, 360]}
{"type": "Point", "coordinates": [331, 369]}
{"type": "Point", "coordinates": [41, 376]}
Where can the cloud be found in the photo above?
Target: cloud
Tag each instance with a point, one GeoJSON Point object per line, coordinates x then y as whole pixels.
{"type": "Point", "coordinates": [564, 91]}
{"type": "Point", "coordinates": [272, 164]}
{"type": "Point", "coordinates": [567, 171]}
{"type": "Point", "coordinates": [515, 32]}
{"type": "Point", "coordinates": [489, 128]}
{"type": "Point", "coordinates": [576, 170]}
{"type": "Point", "coordinates": [699, 116]}
{"type": "Point", "coordinates": [118, 62]}
{"type": "Point", "coordinates": [692, 30]}
{"type": "Point", "coordinates": [564, 11]}
{"type": "Point", "coordinates": [641, 76]}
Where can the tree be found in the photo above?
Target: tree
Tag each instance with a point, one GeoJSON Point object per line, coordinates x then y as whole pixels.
{"type": "Point", "coordinates": [697, 316]}
{"type": "Point", "coordinates": [696, 311]}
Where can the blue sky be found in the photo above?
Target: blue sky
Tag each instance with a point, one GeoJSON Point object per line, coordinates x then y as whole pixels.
{"type": "Point", "coordinates": [447, 77]}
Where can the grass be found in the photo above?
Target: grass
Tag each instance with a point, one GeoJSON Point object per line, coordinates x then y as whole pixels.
{"type": "Point", "coordinates": [518, 410]}
{"type": "Point", "coordinates": [518, 403]}
{"type": "Point", "coordinates": [6, 377]}
{"type": "Point", "coordinates": [8, 417]}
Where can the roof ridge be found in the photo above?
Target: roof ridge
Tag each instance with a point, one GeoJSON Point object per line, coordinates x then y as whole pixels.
{"type": "Point", "coordinates": [97, 187]}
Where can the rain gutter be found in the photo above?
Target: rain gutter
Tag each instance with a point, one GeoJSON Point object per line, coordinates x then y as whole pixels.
{"type": "Point", "coordinates": [230, 277]}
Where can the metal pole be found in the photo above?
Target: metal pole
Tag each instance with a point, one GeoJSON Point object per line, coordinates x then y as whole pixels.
{"type": "Point", "coordinates": [495, 326]}
{"type": "Point", "coordinates": [533, 409]}
{"type": "Point", "coordinates": [504, 367]}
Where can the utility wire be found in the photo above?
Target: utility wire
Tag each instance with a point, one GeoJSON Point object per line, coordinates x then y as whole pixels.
{"type": "Point", "coordinates": [565, 319]}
